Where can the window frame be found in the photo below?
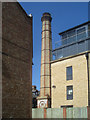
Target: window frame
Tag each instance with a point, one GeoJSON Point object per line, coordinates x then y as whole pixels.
{"type": "Point", "coordinates": [86, 27]}
{"type": "Point", "coordinates": [69, 74]}
{"type": "Point", "coordinates": [67, 92]}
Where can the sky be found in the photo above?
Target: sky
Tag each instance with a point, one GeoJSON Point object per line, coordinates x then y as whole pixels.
{"type": "Point", "coordinates": [65, 15]}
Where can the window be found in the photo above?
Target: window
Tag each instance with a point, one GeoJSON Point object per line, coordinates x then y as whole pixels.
{"type": "Point", "coordinates": [69, 92]}
{"type": "Point", "coordinates": [81, 33]}
{"type": "Point", "coordinates": [69, 73]}
{"type": "Point", "coordinates": [71, 36]}
{"type": "Point", "coordinates": [66, 106]}
{"type": "Point", "coordinates": [64, 39]}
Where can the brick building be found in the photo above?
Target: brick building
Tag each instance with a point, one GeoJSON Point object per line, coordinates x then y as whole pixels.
{"type": "Point", "coordinates": [17, 53]}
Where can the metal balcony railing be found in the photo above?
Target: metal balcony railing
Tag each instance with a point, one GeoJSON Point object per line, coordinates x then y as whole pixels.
{"type": "Point", "coordinates": [71, 45]}
{"type": "Point", "coordinates": [71, 39]}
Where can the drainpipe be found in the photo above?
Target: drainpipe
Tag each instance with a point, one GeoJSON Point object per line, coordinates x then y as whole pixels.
{"type": "Point", "coordinates": [87, 58]}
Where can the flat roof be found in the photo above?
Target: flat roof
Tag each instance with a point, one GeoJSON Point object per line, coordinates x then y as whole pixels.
{"type": "Point", "coordinates": [74, 27]}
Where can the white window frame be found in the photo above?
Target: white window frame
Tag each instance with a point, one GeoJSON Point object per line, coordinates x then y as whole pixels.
{"type": "Point", "coordinates": [86, 27]}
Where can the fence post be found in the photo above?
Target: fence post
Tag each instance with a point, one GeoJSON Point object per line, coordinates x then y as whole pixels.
{"type": "Point", "coordinates": [45, 112]}
{"type": "Point", "coordinates": [88, 112]}
{"type": "Point", "coordinates": [64, 112]}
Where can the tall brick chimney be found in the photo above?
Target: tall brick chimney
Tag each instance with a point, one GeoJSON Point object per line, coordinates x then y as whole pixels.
{"type": "Point", "coordinates": [43, 101]}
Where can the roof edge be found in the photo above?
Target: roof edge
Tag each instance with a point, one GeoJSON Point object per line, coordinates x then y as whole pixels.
{"type": "Point", "coordinates": [74, 27]}
{"type": "Point", "coordinates": [23, 10]}
{"type": "Point", "coordinates": [68, 57]}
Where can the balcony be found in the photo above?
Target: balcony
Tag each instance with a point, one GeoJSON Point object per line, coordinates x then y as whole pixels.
{"type": "Point", "coordinates": [72, 42]}
{"type": "Point", "coordinates": [73, 38]}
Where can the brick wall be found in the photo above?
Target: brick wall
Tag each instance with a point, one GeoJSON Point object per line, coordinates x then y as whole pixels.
{"type": "Point", "coordinates": [17, 62]}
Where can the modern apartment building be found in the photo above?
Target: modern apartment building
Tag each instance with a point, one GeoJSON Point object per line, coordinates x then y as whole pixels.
{"type": "Point", "coordinates": [70, 68]}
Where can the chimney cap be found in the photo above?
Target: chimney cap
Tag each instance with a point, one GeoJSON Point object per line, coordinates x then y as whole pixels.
{"type": "Point", "coordinates": [46, 16]}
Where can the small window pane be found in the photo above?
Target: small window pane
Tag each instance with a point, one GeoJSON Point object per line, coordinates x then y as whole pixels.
{"type": "Point", "coordinates": [89, 30]}
{"type": "Point", "coordinates": [81, 33]}
{"type": "Point", "coordinates": [69, 73]}
{"type": "Point", "coordinates": [64, 39]}
{"type": "Point", "coordinates": [64, 42]}
{"type": "Point", "coordinates": [64, 36]}
{"type": "Point", "coordinates": [71, 39]}
{"type": "Point", "coordinates": [69, 92]}
{"type": "Point", "coordinates": [81, 30]}
{"type": "Point", "coordinates": [71, 33]}
{"type": "Point", "coordinates": [89, 33]}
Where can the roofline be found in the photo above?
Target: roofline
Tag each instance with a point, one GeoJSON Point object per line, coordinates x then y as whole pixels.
{"type": "Point", "coordinates": [68, 57]}
{"type": "Point", "coordinates": [74, 27]}
{"type": "Point", "coordinates": [23, 10]}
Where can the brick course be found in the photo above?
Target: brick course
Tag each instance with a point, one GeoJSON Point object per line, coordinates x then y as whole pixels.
{"type": "Point", "coordinates": [17, 62]}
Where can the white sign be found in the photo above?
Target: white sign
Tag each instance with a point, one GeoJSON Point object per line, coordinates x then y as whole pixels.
{"type": "Point", "coordinates": [42, 103]}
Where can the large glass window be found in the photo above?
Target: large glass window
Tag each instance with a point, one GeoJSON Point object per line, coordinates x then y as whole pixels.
{"type": "Point", "coordinates": [74, 35]}
{"type": "Point", "coordinates": [64, 39]}
{"type": "Point", "coordinates": [81, 33]}
{"type": "Point", "coordinates": [69, 73]}
{"type": "Point", "coordinates": [71, 36]}
{"type": "Point", "coordinates": [69, 92]}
